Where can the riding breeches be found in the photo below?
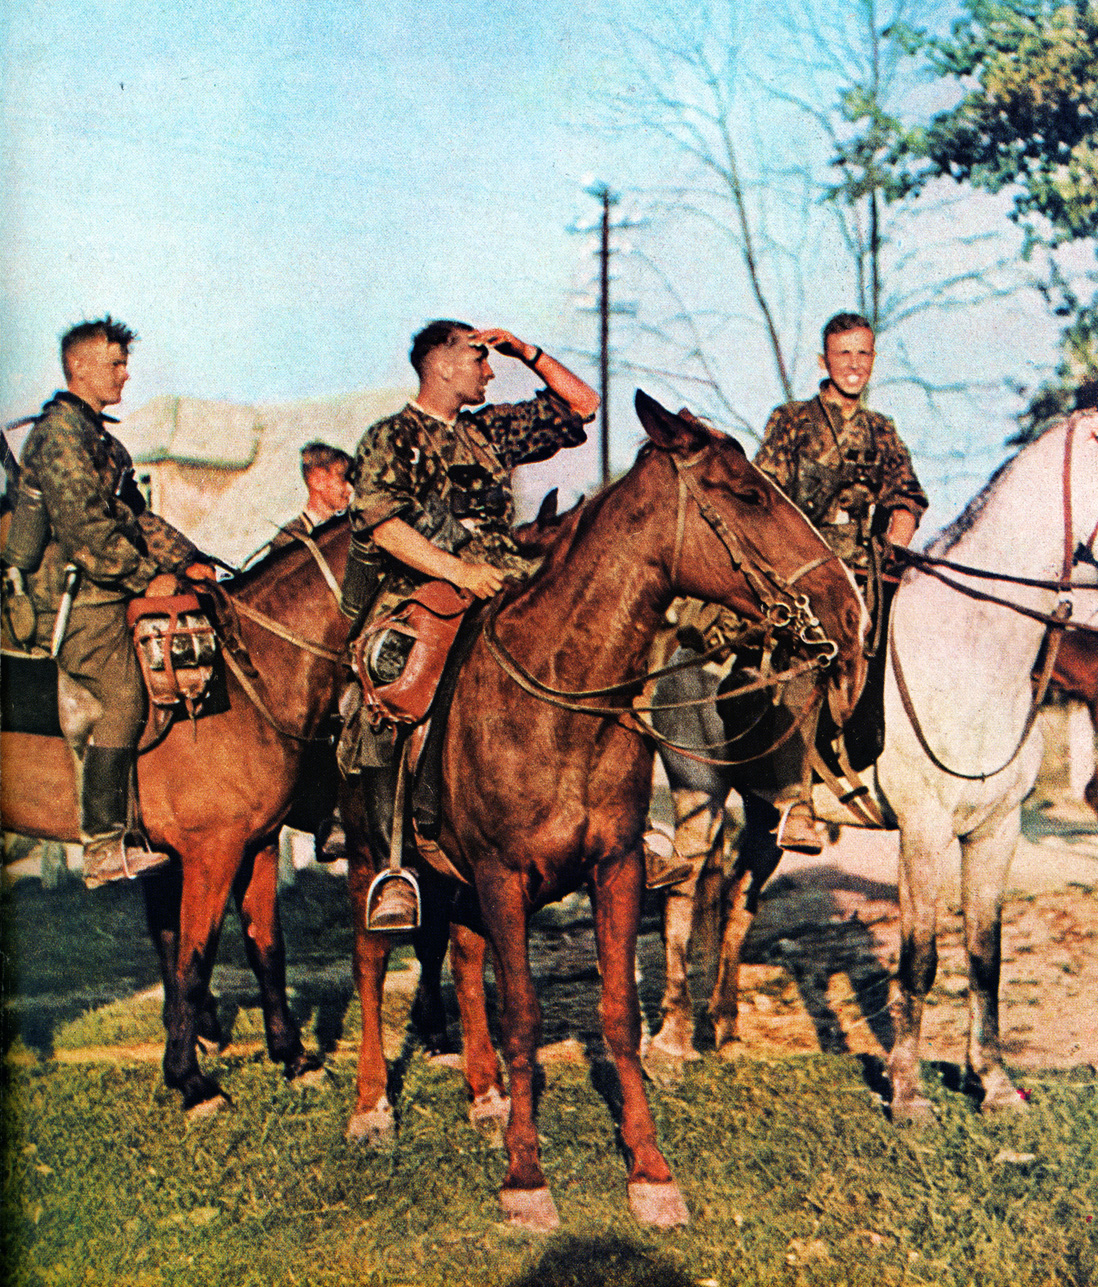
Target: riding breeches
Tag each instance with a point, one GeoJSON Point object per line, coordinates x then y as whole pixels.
{"type": "Point", "coordinates": [98, 653]}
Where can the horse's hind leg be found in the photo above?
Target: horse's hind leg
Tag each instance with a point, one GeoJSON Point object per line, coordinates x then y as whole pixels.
{"type": "Point", "coordinates": [207, 879]}
{"type": "Point", "coordinates": [256, 892]}
{"type": "Point", "coordinates": [428, 1017]}
{"type": "Point", "coordinates": [654, 1197]}
{"type": "Point", "coordinates": [985, 861]}
{"type": "Point", "coordinates": [756, 862]}
{"type": "Point", "coordinates": [698, 834]}
{"type": "Point", "coordinates": [491, 1108]}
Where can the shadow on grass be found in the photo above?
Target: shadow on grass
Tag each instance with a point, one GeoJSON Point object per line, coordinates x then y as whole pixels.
{"type": "Point", "coordinates": [602, 1262]}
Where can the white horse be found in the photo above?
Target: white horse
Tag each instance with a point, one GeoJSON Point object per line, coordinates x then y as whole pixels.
{"type": "Point", "coordinates": [966, 663]}
{"type": "Point", "coordinates": [967, 667]}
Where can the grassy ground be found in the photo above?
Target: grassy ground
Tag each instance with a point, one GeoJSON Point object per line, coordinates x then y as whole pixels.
{"type": "Point", "coordinates": [790, 1169]}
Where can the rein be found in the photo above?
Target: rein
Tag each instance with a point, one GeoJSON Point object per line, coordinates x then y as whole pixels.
{"type": "Point", "coordinates": [795, 617]}
{"type": "Point", "coordinates": [283, 632]}
{"type": "Point", "coordinates": [1056, 622]}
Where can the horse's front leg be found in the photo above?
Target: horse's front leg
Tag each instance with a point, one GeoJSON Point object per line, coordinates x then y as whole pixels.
{"type": "Point", "coordinates": [372, 1122]}
{"type": "Point", "coordinates": [985, 860]}
{"type": "Point", "coordinates": [256, 892]}
{"type": "Point", "coordinates": [490, 1109]}
{"type": "Point", "coordinates": [207, 880]}
{"type": "Point", "coordinates": [654, 1197]}
{"type": "Point", "coordinates": [756, 862]}
{"type": "Point", "coordinates": [524, 1197]}
{"type": "Point", "coordinates": [922, 852]}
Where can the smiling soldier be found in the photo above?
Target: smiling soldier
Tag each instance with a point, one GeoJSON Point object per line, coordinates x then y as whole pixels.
{"type": "Point", "coordinates": [847, 469]}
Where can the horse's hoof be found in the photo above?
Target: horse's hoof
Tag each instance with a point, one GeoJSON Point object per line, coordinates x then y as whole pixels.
{"type": "Point", "coordinates": [913, 1110]}
{"type": "Point", "coordinates": [489, 1114]}
{"type": "Point", "coordinates": [673, 1042]}
{"type": "Point", "coordinates": [312, 1079]}
{"type": "Point", "coordinates": [664, 1068]}
{"type": "Point", "coordinates": [207, 1107]}
{"type": "Point", "coordinates": [374, 1129]}
{"type": "Point", "coordinates": [730, 1050]}
{"type": "Point", "coordinates": [1004, 1099]}
{"type": "Point", "coordinates": [658, 1205]}
{"type": "Point", "coordinates": [532, 1209]}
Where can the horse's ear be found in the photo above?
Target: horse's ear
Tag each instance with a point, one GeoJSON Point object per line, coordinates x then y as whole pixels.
{"type": "Point", "coordinates": [680, 433]}
{"type": "Point", "coordinates": [548, 511]}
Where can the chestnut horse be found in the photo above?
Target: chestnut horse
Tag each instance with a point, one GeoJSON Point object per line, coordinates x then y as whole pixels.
{"type": "Point", "coordinates": [546, 778]}
{"type": "Point", "coordinates": [215, 795]}
{"type": "Point", "coordinates": [1076, 675]}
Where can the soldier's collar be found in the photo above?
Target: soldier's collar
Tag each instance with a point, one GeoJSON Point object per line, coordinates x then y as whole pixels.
{"type": "Point", "coordinates": [63, 395]}
{"type": "Point", "coordinates": [431, 415]}
{"type": "Point", "coordinates": [834, 407]}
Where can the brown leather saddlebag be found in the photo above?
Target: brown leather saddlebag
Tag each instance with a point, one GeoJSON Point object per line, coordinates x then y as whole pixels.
{"type": "Point", "coordinates": [399, 658]}
{"type": "Point", "coordinates": [175, 646]}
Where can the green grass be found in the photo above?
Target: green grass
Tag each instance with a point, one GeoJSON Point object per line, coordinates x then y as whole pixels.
{"type": "Point", "coordinates": [790, 1170]}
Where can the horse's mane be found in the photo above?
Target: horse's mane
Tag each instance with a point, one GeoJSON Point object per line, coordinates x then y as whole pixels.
{"type": "Point", "coordinates": [273, 558]}
{"type": "Point", "coordinates": [948, 537]}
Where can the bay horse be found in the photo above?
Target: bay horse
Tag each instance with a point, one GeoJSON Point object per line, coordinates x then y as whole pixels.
{"type": "Point", "coordinates": [1076, 675]}
{"type": "Point", "coordinates": [546, 779]}
{"type": "Point", "coordinates": [961, 752]}
{"type": "Point", "coordinates": [214, 795]}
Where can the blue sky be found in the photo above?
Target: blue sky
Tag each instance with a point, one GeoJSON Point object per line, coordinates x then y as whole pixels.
{"type": "Point", "coordinates": [275, 195]}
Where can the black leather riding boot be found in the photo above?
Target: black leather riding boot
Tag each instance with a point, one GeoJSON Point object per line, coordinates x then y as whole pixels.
{"type": "Point", "coordinates": [394, 902]}
{"type": "Point", "coordinates": [104, 814]}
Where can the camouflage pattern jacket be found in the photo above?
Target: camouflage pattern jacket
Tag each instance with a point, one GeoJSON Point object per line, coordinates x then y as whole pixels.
{"type": "Point", "coordinates": [842, 473]}
{"type": "Point", "coordinates": [80, 468]}
{"type": "Point", "coordinates": [452, 483]}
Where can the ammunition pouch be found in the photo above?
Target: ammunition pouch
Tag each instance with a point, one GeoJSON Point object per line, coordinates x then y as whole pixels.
{"type": "Point", "coordinates": [474, 493]}
{"type": "Point", "coordinates": [29, 532]}
{"type": "Point", "coordinates": [176, 648]}
{"type": "Point", "coordinates": [400, 658]}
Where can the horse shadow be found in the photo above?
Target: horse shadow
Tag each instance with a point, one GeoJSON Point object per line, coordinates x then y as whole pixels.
{"type": "Point", "coordinates": [810, 922]}
{"type": "Point", "coordinates": [606, 1260]}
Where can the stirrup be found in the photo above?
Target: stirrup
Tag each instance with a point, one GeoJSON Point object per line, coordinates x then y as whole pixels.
{"type": "Point", "coordinates": [110, 857]}
{"type": "Point", "coordinates": [808, 840]}
{"type": "Point", "coordinates": [663, 864]}
{"type": "Point", "coordinates": [406, 906]}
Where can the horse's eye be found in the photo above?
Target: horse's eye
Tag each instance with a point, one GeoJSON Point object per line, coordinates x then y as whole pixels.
{"type": "Point", "coordinates": [749, 494]}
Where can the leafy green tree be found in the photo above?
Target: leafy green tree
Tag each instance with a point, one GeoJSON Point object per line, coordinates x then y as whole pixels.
{"type": "Point", "coordinates": [1027, 124]}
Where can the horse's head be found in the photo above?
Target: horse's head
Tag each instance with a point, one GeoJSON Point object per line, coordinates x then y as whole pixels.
{"type": "Point", "coordinates": [537, 537]}
{"type": "Point", "coordinates": [736, 539]}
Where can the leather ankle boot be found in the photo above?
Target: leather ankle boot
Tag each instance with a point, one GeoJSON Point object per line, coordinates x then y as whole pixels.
{"type": "Point", "coordinates": [110, 853]}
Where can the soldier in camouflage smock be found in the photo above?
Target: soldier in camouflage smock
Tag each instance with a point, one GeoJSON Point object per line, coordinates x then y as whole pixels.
{"type": "Point", "coordinates": [99, 526]}
{"type": "Point", "coordinates": [432, 500]}
{"type": "Point", "coordinates": [843, 464]}
{"type": "Point", "coordinates": [846, 467]}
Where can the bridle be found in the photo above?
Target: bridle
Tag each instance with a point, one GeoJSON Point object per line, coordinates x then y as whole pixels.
{"type": "Point", "coordinates": [1056, 622]}
{"type": "Point", "coordinates": [240, 666]}
{"type": "Point", "coordinates": [783, 611]}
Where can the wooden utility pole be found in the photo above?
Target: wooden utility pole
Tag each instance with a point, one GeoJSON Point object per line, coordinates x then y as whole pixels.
{"type": "Point", "coordinates": [604, 334]}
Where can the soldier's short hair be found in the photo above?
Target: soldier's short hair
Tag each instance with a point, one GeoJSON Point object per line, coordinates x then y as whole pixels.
{"type": "Point", "coordinates": [103, 327]}
{"type": "Point", "coordinates": [843, 322]}
{"type": "Point", "coordinates": [435, 335]}
{"type": "Point", "coordinates": [321, 455]}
